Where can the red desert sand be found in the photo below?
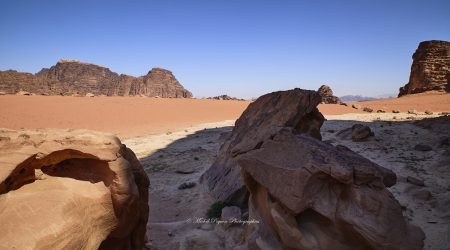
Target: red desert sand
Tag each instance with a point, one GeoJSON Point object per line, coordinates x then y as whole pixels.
{"type": "Point", "coordinates": [135, 116]}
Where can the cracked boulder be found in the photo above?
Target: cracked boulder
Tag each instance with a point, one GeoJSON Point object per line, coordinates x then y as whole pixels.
{"type": "Point", "coordinates": [294, 108]}
{"type": "Point", "coordinates": [62, 189]}
{"type": "Point", "coordinates": [307, 194]}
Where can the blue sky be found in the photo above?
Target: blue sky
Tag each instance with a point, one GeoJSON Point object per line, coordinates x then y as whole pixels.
{"type": "Point", "coordinates": [240, 48]}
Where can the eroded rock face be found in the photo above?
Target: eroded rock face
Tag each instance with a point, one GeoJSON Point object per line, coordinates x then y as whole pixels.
{"type": "Point", "coordinates": [159, 82]}
{"type": "Point", "coordinates": [307, 194]}
{"type": "Point", "coordinates": [63, 189]}
{"type": "Point", "coordinates": [327, 95]}
{"type": "Point", "coordinates": [263, 118]}
{"type": "Point", "coordinates": [72, 77]}
{"type": "Point", "coordinates": [430, 69]}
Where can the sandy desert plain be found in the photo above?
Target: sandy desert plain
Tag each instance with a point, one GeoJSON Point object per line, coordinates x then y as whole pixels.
{"type": "Point", "coordinates": [176, 140]}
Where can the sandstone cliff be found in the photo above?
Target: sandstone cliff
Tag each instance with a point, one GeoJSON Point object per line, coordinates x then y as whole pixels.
{"type": "Point", "coordinates": [430, 69]}
{"type": "Point", "coordinates": [69, 77]}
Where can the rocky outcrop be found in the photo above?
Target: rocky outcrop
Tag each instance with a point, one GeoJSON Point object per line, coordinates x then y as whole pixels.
{"type": "Point", "coordinates": [72, 77]}
{"type": "Point", "coordinates": [439, 125]}
{"type": "Point", "coordinates": [307, 194]}
{"type": "Point", "coordinates": [294, 108]}
{"type": "Point", "coordinates": [11, 82]}
{"type": "Point", "coordinates": [327, 95]}
{"type": "Point", "coordinates": [225, 98]}
{"type": "Point", "coordinates": [159, 82]}
{"type": "Point", "coordinates": [430, 69]}
{"type": "Point", "coordinates": [62, 189]}
{"type": "Point", "coordinates": [357, 132]}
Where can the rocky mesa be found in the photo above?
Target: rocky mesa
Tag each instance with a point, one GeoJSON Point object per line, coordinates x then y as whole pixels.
{"type": "Point", "coordinates": [430, 69]}
{"type": "Point", "coordinates": [72, 77]}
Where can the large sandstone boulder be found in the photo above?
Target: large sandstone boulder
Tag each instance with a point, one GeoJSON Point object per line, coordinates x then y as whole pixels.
{"type": "Point", "coordinates": [70, 77]}
{"type": "Point", "coordinates": [327, 95]}
{"type": "Point", "coordinates": [430, 69]}
{"type": "Point", "coordinates": [294, 108]}
{"type": "Point", "coordinates": [62, 189]}
{"type": "Point", "coordinates": [307, 194]}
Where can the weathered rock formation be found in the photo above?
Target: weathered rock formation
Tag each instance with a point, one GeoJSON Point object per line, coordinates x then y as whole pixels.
{"type": "Point", "coordinates": [357, 132]}
{"type": "Point", "coordinates": [294, 108]}
{"type": "Point", "coordinates": [62, 189]}
{"type": "Point", "coordinates": [225, 98]}
{"type": "Point", "coordinates": [307, 194]}
{"type": "Point", "coordinates": [70, 77]}
{"type": "Point", "coordinates": [327, 95]}
{"type": "Point", "coordinates": [430, 69]}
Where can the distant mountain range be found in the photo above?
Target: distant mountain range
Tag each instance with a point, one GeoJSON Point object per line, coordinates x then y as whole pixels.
{"type": "Point", "coordinates": [359, 98]}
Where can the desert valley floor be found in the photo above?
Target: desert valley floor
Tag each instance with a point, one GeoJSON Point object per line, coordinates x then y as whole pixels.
{"type": "Point", "coordinates": [176, 140]}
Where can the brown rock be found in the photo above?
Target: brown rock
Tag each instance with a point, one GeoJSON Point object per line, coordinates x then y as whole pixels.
{"type": "Point", "coordinates": [368, 109]}
{"type": "Point", "coordinates": [430, 69]}
{"type": "Point", "coordinates": [428, 112]}
{"type": "Point", "coordinates": [23, 93]}
{"type": "Point", "coordinates": [327, 95]}
{"type": "Point", "coordinates": [294, 108]}
{"type": "Point", "coordinates": [415, 181]}
{"type": "Point", "coordinates": [306, 194]}
{"type": "Point", "coordinates": [185, 171]}
{"type": "Point", "coordinates": [412, 111]}
{"type": "Point", "coordinates": [381, 111]}
{"type": "Point", "coordinates": [422, 147]}
{"type": "Point", "coordinates": [356, 106]}
{"type": "Point", "coordinates": [159, 82]}
{"type": "Point", "coordinates": [437, 124]}
{"type": "Point", "coordinates": [357, 132]}
{"type": "Point", "coordinates": [417, 192]}
{"type": "Point", "coordinates": [62, 189]}
{"type": "Point", "coordinates": [396, 111]}
{"type": "Point", "coordinates": [223, 97]}
{"type": "Point", "coordinates": [69, 77]}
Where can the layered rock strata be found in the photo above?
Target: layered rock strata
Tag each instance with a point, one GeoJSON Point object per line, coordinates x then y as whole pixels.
{"type": "Point", "coordinates": [72, 77]}
{"type": "Point", "coordinates": [294, 108]}
{"type": "Point", "coordinates": [307, 194]}
{"type": "Point", "coordinates": [430, 69]}
{"type": "Point", "coordinates": [62, 189]}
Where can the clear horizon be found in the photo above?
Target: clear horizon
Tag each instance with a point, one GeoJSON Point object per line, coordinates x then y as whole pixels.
{"type": "Point", "coordinates": [240, 48]}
